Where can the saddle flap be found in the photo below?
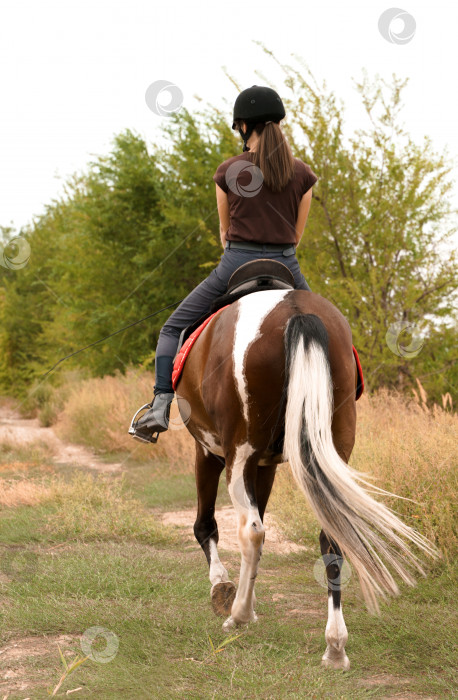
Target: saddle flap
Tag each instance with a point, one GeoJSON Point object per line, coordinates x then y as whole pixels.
{"type": "Point", "coordinates": [261, 273]}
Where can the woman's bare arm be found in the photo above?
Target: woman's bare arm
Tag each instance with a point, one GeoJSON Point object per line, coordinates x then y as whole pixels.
{"type": "Point", "coordinates": [304, 208]}
{"type": "Point", "coordinates": [223, 211]}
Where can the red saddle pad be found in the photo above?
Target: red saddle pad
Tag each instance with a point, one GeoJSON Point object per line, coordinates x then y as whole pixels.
{"type": "Point", "coordinates": [185, 349]}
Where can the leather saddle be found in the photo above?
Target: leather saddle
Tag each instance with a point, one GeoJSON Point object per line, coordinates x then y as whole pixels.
{"type": "Point", "coordinates": [257, 275]}
{"type": "Point", "coordinates": [254, 276]}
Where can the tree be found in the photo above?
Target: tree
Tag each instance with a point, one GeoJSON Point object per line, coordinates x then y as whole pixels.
{"type": "Point", "coordinates": [378, 240]}
{"type": "Point", "coordinates": [140, 229]}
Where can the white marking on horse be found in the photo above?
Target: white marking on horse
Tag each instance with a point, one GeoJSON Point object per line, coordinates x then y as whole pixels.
{"type": "Point", "coordinates": [250, 535]}
{"type": "Point", "coordinates": [218, 573]}
{"type": "Point", "coordinates": [211, 442]}
{"type": "Point", "coordinates": [237, 489]}
{"type": "Point", "coordinates": [252, 309]}
{"type": "Point", "coordinates": [336, 636]}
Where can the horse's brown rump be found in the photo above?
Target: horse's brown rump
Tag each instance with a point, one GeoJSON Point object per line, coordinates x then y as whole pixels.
{"type": "Point", "coordinates": [216, 401]}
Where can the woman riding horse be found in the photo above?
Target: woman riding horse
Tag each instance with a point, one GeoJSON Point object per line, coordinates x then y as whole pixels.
{"type": "Point", "coordinates": [272, 378]}
{"type": "Point", "coordinates": [263, 197]}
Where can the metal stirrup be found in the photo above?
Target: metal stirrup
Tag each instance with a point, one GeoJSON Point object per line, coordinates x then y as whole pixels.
{"type": "Point", "coordinates": [132, 429]}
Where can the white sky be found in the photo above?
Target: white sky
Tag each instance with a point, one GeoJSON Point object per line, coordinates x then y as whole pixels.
{"type": "Point", "coordinates": [75, 73]}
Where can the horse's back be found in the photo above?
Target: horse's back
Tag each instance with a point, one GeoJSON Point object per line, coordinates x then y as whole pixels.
{"type": "Point", "coordinates": [258, 327]}
{"type": "Point", "coordinates": [239, 362]}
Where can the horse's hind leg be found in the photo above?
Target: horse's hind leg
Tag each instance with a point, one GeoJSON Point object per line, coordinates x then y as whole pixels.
{"type": "Point", "coordinates": [264, 482]}
{"type": "Point", "coordinates": [250, 531]}
{"type": "Point", "coordinates": [336, 634]}
{"type": "Point", "coordinates": [208, 471]}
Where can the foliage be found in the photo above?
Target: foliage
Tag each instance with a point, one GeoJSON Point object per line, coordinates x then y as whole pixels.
{"type": "Point", "coordinates": [139, 229]}
{"type": "Point", "coordinates": [378, 241]}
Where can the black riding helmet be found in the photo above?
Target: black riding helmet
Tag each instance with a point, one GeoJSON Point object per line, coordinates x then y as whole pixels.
{"type": "Point", "coordinates": [257, 104]}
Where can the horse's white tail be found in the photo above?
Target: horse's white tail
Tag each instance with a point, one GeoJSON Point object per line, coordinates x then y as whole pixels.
{"type": "Point", "coordinates": [364, 528]}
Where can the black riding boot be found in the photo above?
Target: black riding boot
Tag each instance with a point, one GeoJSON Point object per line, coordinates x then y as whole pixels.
{"type": "Point", "coordinates": [156, 419]}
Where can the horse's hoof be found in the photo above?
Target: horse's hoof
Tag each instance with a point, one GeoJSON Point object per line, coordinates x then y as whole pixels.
{"type": "Point", "coordinates": [223, 595]}
{"type": "Point", "coordinates": [229, 625]}
{"type": "Point", "coordinates": [232, 623]}
{"type": "Point", "coordinates": [342, 663]}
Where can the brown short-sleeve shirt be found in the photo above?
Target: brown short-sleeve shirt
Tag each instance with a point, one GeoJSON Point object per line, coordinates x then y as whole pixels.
{"type": "Point", "coordinates": [256, 213]}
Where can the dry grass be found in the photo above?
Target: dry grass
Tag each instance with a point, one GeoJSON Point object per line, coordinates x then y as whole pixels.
{"type": "Point", "coordinates": [15, 448]}
{"type": "Point", "coordinates": [85, 507]}
{"type": "Point", "coordinates": [410, 449]}
{"type": "Point", "coordinates": [96, 508]}
{"type": "Point", "coordinates": [98, 412]}
{"type": "Point", "coordinates": [408, 445]}
{"type": "Point", "coordinates": [20, 460]}
{"type": "Point", "coordinates": [23, 493]}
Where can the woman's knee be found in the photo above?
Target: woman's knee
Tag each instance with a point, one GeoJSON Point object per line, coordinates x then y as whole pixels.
{"type": "Point", "coordinates": [168, 330]}
{"type": "Point", "coordinates": [167, 343]}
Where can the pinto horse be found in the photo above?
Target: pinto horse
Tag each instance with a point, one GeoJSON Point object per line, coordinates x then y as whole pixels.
{"type": "Point", "coordinates": [272, 378]}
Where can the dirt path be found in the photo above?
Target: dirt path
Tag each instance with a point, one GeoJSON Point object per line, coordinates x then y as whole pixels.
{"type": "Point", "coordinates": [227, 520]}
{"type": "Point", "coordinates": [28, 663]}
{"type": "Point", "coordinates": [17, 430]}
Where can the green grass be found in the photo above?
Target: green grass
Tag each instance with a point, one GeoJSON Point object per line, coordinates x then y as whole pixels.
{"type": "Point", "coordinates": [93, 554]}
{"type": "Point", "coordinates": [158, 486]}
{"type": "Point", "coordinates": [156, 601]}
{"type": "Point", "coordinates": [33, 454]}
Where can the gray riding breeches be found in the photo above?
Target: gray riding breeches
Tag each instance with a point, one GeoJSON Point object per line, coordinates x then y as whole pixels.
{"type": "Point", "coordinates": [199, 301]}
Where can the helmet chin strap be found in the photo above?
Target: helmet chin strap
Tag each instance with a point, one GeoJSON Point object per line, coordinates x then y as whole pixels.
{"type": "Point", "coordinates": [245, 136]}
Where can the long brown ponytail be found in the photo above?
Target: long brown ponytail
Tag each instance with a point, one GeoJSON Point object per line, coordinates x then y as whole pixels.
{"type": "Point", "coordinates": [273, 155]}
